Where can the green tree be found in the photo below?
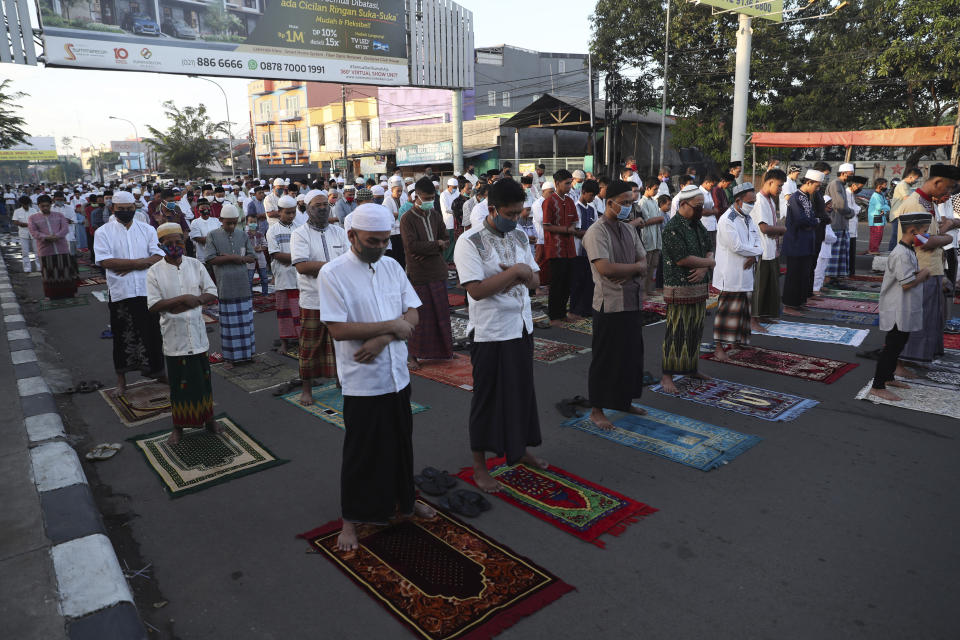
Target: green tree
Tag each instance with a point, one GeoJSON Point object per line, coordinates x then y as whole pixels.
{"type": "Point", "coordinates": [190, 143]}
{"type": "Point", "coordinates": [11, 133]}
{"type": "Point", "coordinates": [221, 22]}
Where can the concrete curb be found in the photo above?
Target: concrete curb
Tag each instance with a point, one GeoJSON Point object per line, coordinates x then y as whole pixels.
{"type": "Point", "coordinates": [94, 595]}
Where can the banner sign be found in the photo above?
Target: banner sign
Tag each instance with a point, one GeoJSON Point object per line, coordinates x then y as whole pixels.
{"type": "Point", "coordinates": [345, 41]}
{"type": "Point", "coordinates": [35, 149]}
{"type": "Point", "coordinates": [439, 152]}
{"type": "Point", "coordinates": [751, 7]}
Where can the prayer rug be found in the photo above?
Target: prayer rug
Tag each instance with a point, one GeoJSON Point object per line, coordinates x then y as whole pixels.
{"type": "Point", "coordinates": [202, 459]}
{"type": "Point", "coordinates": [262, 373]}
{"type": "Point", "coordinates": [572, 504]}
{"type": "Point", "coordinates": [951, 341]}
{"type": "Point", "coordinates": [142, 402]}
{"type": "Point", "coordinates": [264, 304]}
{"type": "Point", "coordinates": [950, 360]}
{"type": "Point", "coordinates": [655, 307]}
{"type": "Point", "coordinates": [847, 294]}
{"type": "Point", "coordinates": [580, 326]}
{"type": "Point", "coordinates": [441, 578]}
{"type": "Point", "coordinates": [456, 372]}
{"type": "Point", "coordinates": [89, 282]}
{"type": "Point", "coordinates": [842, 304]}
{"type": "Point", "coordinates": [328, 404]}
{"type": "Point", "coordinates": [943, 378]}
{"type": "Point", "coordinates": [816, 333]}
{"type": "Point", "coordinates": [870, 319]}
{"type": "Point", "coordinates": [550, 351]}
{"type": "Point", "coordinates": [539, 301]}
{"type": "Point", "coordinates": [797, 365]}
{"type": "Point", "coordinates": [919, 397]}
{"type": "Point", "coordinates": [102, 296]}
{"type": "Point", "coordinates": [63, 303]}
{"type": "Point", "coordinates": [773, 406]}
{"type": "Point", "coordinates": [865, 278]}
{"type": "Point", "coordinates": [458, 328]}
{"type": "Point", "coordinates": [455, 299]}
{"type": "Point", "coordinates": [678, 438]}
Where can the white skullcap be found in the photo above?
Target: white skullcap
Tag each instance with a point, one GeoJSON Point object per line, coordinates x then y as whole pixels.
{"type": "Point", "coordinates": [123, 197]}
{"type": "Point", "coordinates": [229, 211]}
{"type": "Point", "coordinates": [371, 217]}
{"type": "Point", "coordinates": [826, 199]}
{"type": "Point", "coordinates": [395, 181]}
{"type": "Point", "coordinates": [690, 191]}
{"type": "Point", "coordinates": [452, 182]}
{"type": "Point", "coordinates": [300, 198]}
{"type": "Point", "coordinates": [349, 187]}
{"type": "Point", "coordinates": [285, 202]}
{"type": "Point", "coordinates": [436, 184]}
{"type": "Point", "coordinates": [813, 174]}
{"type": "Point", "coordinates": [377, 190]}
{"type": "Point", "coordinates": [411, 188]}
{"type": "Point", "coordinates": [579, 174]}
{"type": "Point", "coordinates": [742, 188]}
{"type": "Point", "coordinates": [286, 182]}
{"type": "Point", "coordinates": [263, 183]}
{"type": "Point", "coordinates": [385, 184]}
{"type": "Point", "coordinates": [277, 182]}
{"type": "Point", "coordinates": [340, 180]}
{"type": "Point", "coordinates": [313, 193]}
{"type": "Point", "coordinates": [548, 185]}
{"type": "Point", "coordinates": [168, 228]}
{"type": "Point", "coordinates": [846, 167]}
{"type": "Point", "coordinates": [136, 191]}
{"type": "Point", "coordinates": [408, 180]}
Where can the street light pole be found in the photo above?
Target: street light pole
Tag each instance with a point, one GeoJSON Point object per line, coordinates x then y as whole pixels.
{"type": "Point", "coordinates": [233, 163]}
{"type": "Point", "coordinates": [136, 136]}
{"type": "Point", "coordinates": [93, 147]}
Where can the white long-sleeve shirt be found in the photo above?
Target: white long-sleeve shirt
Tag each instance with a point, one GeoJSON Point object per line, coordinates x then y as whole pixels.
{"type": "Point", "coordinates": [738, 238]}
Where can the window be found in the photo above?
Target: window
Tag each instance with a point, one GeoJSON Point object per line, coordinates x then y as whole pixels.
{"type": "Point", "coordinates": [365, 130]}
{"type": "Point", "coordinates": [134, 8]}
{"type": "Point", "coordinates": [321, 137]}
{"type": "Point", "coordinates": [506, 98]}
{"type": "Point", "coordinates": [491, 98]}
{"type": "Point", "coordinates": [293, 137]}
{"type": "Point", "coordinates": [266, 140]}
{"type": "Point", "coordinates": [265, 109]}
{"type": "Point", "coordinates": [562, 66]}
{"type": "Point", "coordinates": [292, 104]}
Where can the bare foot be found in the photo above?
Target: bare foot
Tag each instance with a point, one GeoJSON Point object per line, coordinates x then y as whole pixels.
{"type": "Point", "coordinates": [902, 372]}
{"type": "Point", "coordinates": [556, 323]}
{"type": "Point", "coordinates": [572, 317]}
{"type": "Point", "coordinates": [898, 384]}
{"type": "Point", "coordinates": [720, 355]}
{"type": "Point", "coordinates": [413, 364]}
{"type": "Point", "coordinates": [306, 399]}
{"type": "Point", "coordinates": [118, 392]}
{"type": "Point", "coordinates": [700, 376]}
{"type": "Point", "coordinates": [533, 461]}
{"type": "Point", "coordinates": [886, 395]}
{"type": "Point", "coordinates": [598, 418]}
{"type": "Point", "coordinates": [666, 383]}
{"type": "Point", "coordinates": [637, 411]}
{"type": "Point", "coordinates": [214, 427]}
{"type": "Point", "coordinates": [756, 327]}
{"type": "Point", "coordinates": [175, 436]}
{"type": "Point", "coordinates": [791, 311]}
{"type": "Point", "coordinates": [347, 540]}
{"type": "Point", "coordinates": [485, 482]}
{"type": "Point", "coordinates": [422, 510]}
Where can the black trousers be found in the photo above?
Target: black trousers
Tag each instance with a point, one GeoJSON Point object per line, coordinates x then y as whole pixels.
{"type": "Point", "coordinates": [894, 226]}
{"type": "Point", "coordinates": [581, 288]}
{"type": "Point", "coordinates": [797, 285]}
{"type": "Point", "coordinates": [853, 256]}
{"type": "Point", "coordinates": [951, 270]}
{"type": "Point", "coordinates": [396, 250]}
{"type": "Point", "coordinates": [616, 364]}
{"type": "Point", "coordinates": [893, 345]}
{"type": "Point", "coordinates": [561, 280]}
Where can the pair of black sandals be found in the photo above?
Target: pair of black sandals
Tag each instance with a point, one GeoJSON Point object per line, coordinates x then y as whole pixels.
{"type": "Point", "coordinates": [462, 502]}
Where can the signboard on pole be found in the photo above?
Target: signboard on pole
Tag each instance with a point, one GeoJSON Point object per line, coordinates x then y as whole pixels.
{"type": "Point", "coordinates": [755, 8]}
{"type": "Point", "coordinates": [346, 41]}
{"type": "Point", "coordinates": [36, 149]}
{"type": "Point", "coordinates": [411, 154]}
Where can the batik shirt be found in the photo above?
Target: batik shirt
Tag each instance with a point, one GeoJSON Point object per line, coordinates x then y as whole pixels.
{"type": "Point", "coordinates": [682, 238]}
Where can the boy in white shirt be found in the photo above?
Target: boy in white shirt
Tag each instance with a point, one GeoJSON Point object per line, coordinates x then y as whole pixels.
{"type": "Point", "coordinates": [766, 291]}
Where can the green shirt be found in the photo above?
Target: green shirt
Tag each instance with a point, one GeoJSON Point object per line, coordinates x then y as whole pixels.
{"type": "Point", "coordinates": [682, 238]}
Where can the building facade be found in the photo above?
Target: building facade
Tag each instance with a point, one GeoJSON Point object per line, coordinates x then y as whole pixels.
{"type": "Point", "coordinates": [510, 78]}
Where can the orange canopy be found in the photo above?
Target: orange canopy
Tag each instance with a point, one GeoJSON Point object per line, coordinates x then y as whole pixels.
{"type": "Point", "coordinates": [915, 137]}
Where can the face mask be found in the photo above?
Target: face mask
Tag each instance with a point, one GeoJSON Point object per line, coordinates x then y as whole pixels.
{"type": "Point", "coordinates": [59, 203]}
{"type": "Point", "coordinates": [108, 201]}
{"type": "Point", "coordinates": [427, 205]}
{"type": "Point", "coordinates": [378, 199]}
{"type": "Point", "coordinates": [205, 213]}
{"type": "Point", "coordinates": [624, 213]}
{"type": "Point", "coordinates": [746, 208]}
{"type": "Point", "coordinates": [279, 192]}
{"type": "Point", "coordinates": [319, 215]}
{"type": "Point", "coordinates": [174, 251]}
{"type": "Point", "coordinates": [219, 199]}
{"type": "Point", "coordinates": [504, 225]}
{"type": "Point", "coordinates": [139, 205]}
{"type": "Point", "coordinates": [252, 226]}
{"type": "Point", "coordinates": [370, 254]}
{"type": "Point", "coordinates": [124, 216]}
{"type": "Point", "coordinates": [171, 206]}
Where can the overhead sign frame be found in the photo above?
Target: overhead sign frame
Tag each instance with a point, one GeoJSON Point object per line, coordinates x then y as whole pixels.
{"type": "Point", "coordinates": [35, 149]}
{"type": "Point", "coordinates": [767, 9]}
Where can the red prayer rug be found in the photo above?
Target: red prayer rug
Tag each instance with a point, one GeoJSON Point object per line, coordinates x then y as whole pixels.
{"type": "Point", "coordinates": [456, 372]}
{"type": "Point", "coordinates": [951, 341]}
{"type": "Point", "coordinates": [655, 307]}
{"type": "Point", "coordinates": [866, 278]}
{"type": "Point", "coordinates": [843, 304]}
{"type": "Point", "coordinates": [456, 300]}
{"type": "Point", "coordinates": [263, 304]}
{"type": "Point", "coordinates": [797, 365]}
{"type": "Point", "coordinates": [441, 578]}
{"type": "Point", "coordinates": [89, 282]}
{"type": "Point", "coordinates": [577, 506]}
{"type": "Point", "coordinates": [550, 351]}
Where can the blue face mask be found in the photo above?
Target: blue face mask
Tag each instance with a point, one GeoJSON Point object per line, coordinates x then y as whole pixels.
{"type": "Point", "coordinates": [504, 225]}
{"type": "Point", "coordinates": [172, 206]}
{"type": "Point", "coordinates": [426, 205]}
{"type": "Point", "coordinates": [624, 213]}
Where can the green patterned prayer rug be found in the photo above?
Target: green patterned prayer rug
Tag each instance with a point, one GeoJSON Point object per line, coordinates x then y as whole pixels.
{"type": "Point", "coordinates": [202, 459]}
{"type": "Point", "coordinates": [846, 294]}
{"type": "Point", "coordinates": [62, 303]}
{"type": "Point", "coordinates": [328, 404]}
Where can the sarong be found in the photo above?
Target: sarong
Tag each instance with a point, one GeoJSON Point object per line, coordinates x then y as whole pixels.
{"type": "Point", "coordinates": [766, 290]}
{"type": "Point", "coordinates": [925, 345]}
{"type": "Point", "coordinates": [681, 342]}
{"type": "Point", "coordinates": [503, 410]}
{"type": "Point", "coordinates": [839, 265]}
{"type": "Point", "coordinates": [732, 322]}
{"type": "Point", "coordinates": [876, 236]}
{"type": "Point", "coordinates": [432, 339]}
{"type": "Point", "coordinates": [237, 339]}
{"type": "Point", "coordinates": [317, 356]}
{"type": "Point", "coordinates": [376, 476]}
{"type": "Point", "coordinates": [137, 341]}
{"type": "Point", "coordinates": [59, 275]}
{"type": "Point", "coordinates": [288, 313]}
{"type": "Point", "coordinates": [616, 366]}
{"type": "Point", "coordinates": [191, 393]}
{"type": "Point", "coordinates": [797, 283]}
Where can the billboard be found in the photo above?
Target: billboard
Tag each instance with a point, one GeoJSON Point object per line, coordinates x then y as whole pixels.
{"type": "Point", "coordinates": [751, 7]}
{"type": "Point", "coordinates": [35, 149]}
{"type": "Point", "coordinates": [345, 41]}
{"type": "Point", "coordinates": [439, 152]}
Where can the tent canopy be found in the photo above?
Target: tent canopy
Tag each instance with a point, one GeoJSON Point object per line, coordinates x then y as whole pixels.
{"type": "Point", "coordinates": [915, 137]}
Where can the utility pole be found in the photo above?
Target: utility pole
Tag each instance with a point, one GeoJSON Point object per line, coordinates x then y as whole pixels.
{"type": "Point", "coordinates": [458, 131]}
{"type": "Point", "coordinates": [663, 106]}
{"type": "Point", "coordinates": [343, 128]}
{"type": "Point", "coordinates": [741, 89]}
{"type": "Point", "coordinates": [955, 151]}
{"type": "Point", "coordinates": [590, 149]}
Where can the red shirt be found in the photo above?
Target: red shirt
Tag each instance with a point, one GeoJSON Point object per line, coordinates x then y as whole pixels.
{"type": "Point", "coordinates": [560, 211]}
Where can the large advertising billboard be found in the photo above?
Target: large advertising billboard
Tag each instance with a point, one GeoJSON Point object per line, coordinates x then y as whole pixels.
{"type": "Point", "coordinates": [346, 41]}
{"type": "Point", "coordinates": [769, 9]}
{"type": "Point", "coordinates": [35, 149]}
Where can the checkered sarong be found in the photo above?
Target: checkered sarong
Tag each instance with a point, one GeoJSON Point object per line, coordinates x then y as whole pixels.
{"type": "Point", "coordinates": [839, 265]}
{"type": "Point", "coordinates": [317, 356]}
{"type": "Point", "coordinates": [237, 339]}
{"type": "Point", "coordinates": [731, 324]}
{"type": "Point", "coordinates": [288, 312]}
{"type": "Point", "coordinates": [432, 338]}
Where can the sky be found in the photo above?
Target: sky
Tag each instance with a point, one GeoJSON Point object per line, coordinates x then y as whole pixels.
{"type": "Point", "coordinates": [77, 102]}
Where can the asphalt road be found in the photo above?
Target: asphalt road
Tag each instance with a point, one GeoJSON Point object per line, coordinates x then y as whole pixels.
{"type": "Point", "coordinates": [839, 524]}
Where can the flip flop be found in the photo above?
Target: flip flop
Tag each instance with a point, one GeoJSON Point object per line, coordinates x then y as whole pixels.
{"type": "Point", "coordinates": [90, 387]}
{"type": "Point", "coordinates": [440, 478]}
{"type": "Point", "coordinates": [103, 451]}
{"type": "Point", "coordinates": [428, 486]}
{"type": "Point", "coordinates": [82, 388]}
{"type": "Point", "coordinates": [458, 504]}
{"type": "Point", "coordinates": [474, 498]}
{"type": "Point", "coordinates": [566, 409]}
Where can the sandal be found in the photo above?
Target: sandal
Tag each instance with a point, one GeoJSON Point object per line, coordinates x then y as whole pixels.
{"type": "Point", "coordinates": [566, 409]}
{"type": "Point", "coordinates": [215, 357]}
{"type": "Point", "coordinates": [89, 387]}
{"type": "Point", "coordinates": [440, 478]}
{"type": "Point", "coordinates": [474, 498]}
{"type": "Point", "coordinates": [458, 504]}
{"type": "Point", "coordinates": [428, 486]}
{"type": "Point", "coordinates": [103, 451]}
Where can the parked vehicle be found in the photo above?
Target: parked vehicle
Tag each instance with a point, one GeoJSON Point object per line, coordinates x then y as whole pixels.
{"type": "Point", "coordinates": [140, 24]}
{"type": "Point", "coordinates": [180, 29]}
